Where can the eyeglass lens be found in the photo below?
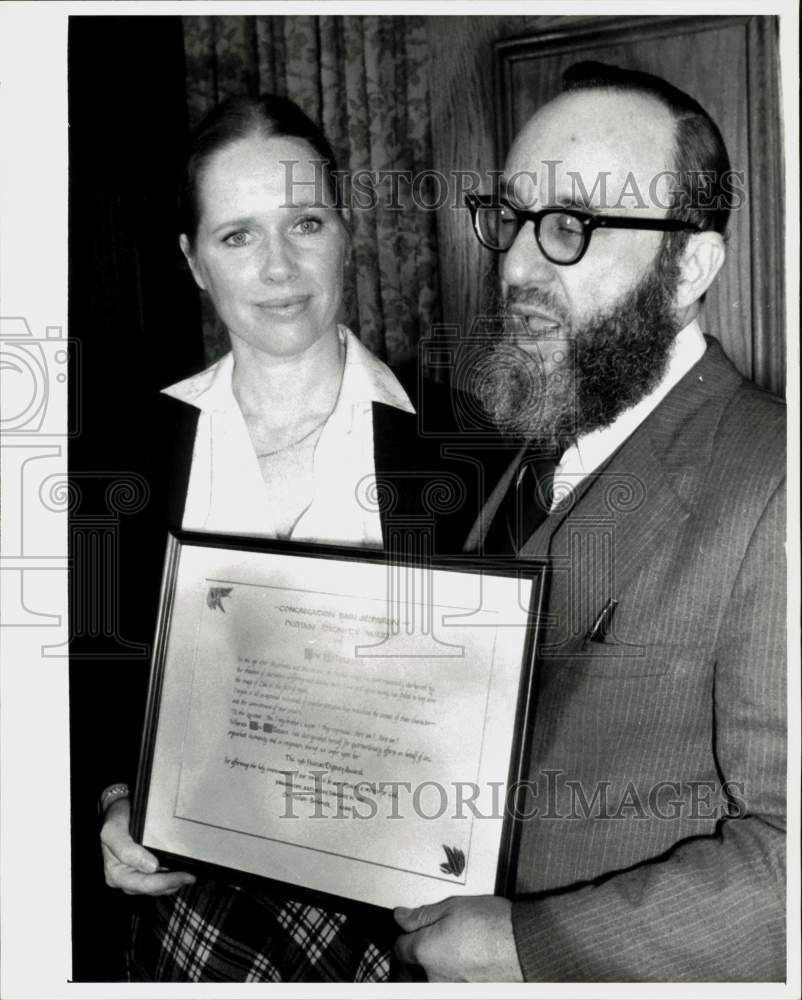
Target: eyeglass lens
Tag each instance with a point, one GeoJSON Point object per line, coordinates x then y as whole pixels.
{"type": "Point", "coordinates": [561, 236]}
{"type": "Point", "coordinates": [498, 225]}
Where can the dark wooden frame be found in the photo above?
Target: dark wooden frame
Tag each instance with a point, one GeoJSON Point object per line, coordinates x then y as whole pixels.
{"type": "Point", "coordinates": [765, 186]}
{"type": "Point", "coordinates": [534, 569]}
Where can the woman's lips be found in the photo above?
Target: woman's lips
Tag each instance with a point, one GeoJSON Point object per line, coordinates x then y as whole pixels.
{"type": "Point", "coordinates": [286, 306]}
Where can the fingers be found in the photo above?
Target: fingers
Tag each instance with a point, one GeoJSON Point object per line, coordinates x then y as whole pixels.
{"type": "Point", "coordinates": [161, 884]}
{"type": "Point", "coordinates": [129, 866]}
{"type": "Point", "coordinates": [410, 947]}
{"type": "Point", "coordinates": [413, 919]}
{"type": "Point", "coordinates": [406, 949]}
{"type": "Point", "coordinates": [465, 939]}
{"type": "Point", "coordinates": [416, 945]}
{"type": "Point", "coordinates": [424, 947]}
{"type": "Point", "coordinates": [117, 842]}
{"type": "Point", "coordinates": [132, 881]}
{"type": "Point", "coordinates": [135, 856]}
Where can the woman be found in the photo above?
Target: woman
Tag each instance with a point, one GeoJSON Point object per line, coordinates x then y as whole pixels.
{"type": "Point", "coordinates": [271, 440]}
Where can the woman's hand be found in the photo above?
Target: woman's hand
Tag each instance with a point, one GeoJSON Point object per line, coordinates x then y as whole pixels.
{"type": "Point", "coordinates": [128, 865]}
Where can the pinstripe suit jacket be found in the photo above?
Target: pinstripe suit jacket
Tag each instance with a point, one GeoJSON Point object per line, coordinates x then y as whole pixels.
{"type": "Point", "coordinates": [655, 848]}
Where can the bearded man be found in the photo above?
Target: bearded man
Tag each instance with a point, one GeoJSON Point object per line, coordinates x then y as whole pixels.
{"type": "Point", "coordinates": [652, 478]}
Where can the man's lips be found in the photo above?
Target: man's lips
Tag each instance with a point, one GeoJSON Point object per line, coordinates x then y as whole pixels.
{"type": "Point", "coordinates": [533, 322]}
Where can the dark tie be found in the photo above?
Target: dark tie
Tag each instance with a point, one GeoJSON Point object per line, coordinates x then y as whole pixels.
{"type": "Point", "coordinates": [523, 507]}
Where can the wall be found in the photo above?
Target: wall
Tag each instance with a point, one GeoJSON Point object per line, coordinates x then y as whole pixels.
{"type": "Point", "coordinates": [730, 64]}
{"type": "Point", "coordinates": [463, 115]}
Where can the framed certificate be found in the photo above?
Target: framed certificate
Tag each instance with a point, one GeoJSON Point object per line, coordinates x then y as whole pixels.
{"type": "Point", "coordinates": [344, 721]}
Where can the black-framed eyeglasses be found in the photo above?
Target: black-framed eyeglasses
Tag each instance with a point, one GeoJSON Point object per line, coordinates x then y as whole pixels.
{"type": "Point", "coordinates": [563, 234]}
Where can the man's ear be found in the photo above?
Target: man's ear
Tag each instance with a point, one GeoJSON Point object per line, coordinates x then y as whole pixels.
{"type": "Point", "coordinates": [186, 250]}
{"type": "Point", "coordinates": [701, 261]}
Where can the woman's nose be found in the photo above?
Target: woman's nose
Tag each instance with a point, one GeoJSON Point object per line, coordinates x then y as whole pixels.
{"type": "Point", "coordinates": [278, 261]}
{"type": "Point", "coordinates": [524, 263]}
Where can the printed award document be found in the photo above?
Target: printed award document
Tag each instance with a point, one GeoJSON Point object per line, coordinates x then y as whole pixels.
{"type": "Point", "coordinates": [338, 720]}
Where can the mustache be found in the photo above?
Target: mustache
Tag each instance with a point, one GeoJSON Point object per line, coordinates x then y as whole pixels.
{"type": "Point", "coordinates": [537, 298]}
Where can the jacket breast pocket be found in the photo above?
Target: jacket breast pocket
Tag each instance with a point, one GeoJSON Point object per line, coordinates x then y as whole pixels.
{"type": "Point", "coordinates": [616, 660]}
{"type": "Point", "coordinates": [629, 648]}
{"type": "Point", "coordinates": [607, 659]}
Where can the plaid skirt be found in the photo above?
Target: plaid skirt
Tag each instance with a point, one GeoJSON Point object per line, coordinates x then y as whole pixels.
{"type": "Point", "coordinates": [213, 932]}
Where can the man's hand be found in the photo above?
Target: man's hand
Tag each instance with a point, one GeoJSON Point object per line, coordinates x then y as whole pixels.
{"type": "Point", "coordinates": [467, 939]}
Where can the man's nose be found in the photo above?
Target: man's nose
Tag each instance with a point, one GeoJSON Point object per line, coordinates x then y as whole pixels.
{"type": "Point", "coordinates": [279, 262]}
{"type": "Point", "coordinates": [524, 263]}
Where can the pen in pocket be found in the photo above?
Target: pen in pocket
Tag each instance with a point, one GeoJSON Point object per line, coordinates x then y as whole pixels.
{"type": "Point", "coordinates": [601, 625]}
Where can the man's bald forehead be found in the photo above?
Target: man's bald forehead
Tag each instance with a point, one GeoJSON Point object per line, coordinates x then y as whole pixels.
{"type": "Point", "coordinates": [601, 113]}
{"type": "Point", "coordinates": [625, 136]}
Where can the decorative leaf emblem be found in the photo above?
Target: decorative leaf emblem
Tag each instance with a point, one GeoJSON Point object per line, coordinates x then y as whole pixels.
{"type": "Point", "coordinates": [456, 861]}
{"type": "Point", "coordinates": [215, 597]}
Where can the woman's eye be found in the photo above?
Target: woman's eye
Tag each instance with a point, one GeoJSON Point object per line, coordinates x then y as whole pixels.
{"type": "Point", "coordinates": [308, 225]}
{"type": "Point", "coordinates": [238, 239]}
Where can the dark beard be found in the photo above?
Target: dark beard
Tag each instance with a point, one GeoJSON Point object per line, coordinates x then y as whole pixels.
{"type": "Point", "coordinates": [610, 363]}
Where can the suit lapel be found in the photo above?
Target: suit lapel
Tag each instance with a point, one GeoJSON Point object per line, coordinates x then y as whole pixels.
{"type": "Point", "coordinates": [477, 534]}
{"type": "Point", "coordinates": [668, 453]}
